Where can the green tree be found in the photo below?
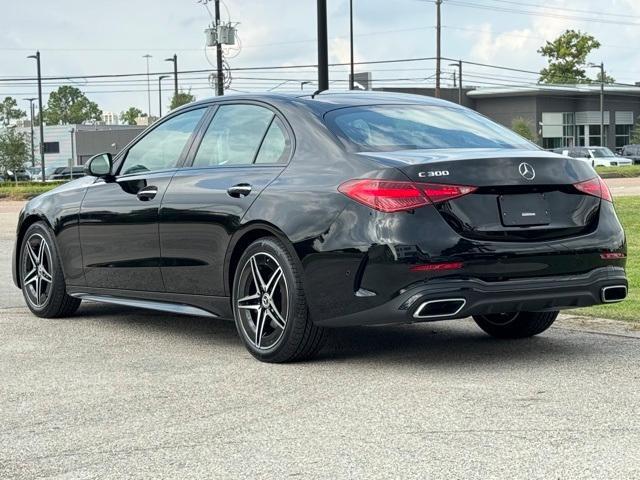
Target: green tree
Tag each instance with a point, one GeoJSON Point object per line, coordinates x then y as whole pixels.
{"type": "Point", "coordinates": [9, 111]}
{"type": "Point", "coordinates": [14, 149]}
{"type": "Point", "coordinates": [607, 78]}
{"type": "Point", "coordinates": [635, 134]}
{"type": "Point", "coordinates": [129, 117]}
{"type": "Point", "coordinates": [181, 98]}
{"type": "Point", "coordinates": [567, 57]}
{"type": "Point", "coordinates": [68, 106]}
{"type": "Point", "coordinates": [524, 128]}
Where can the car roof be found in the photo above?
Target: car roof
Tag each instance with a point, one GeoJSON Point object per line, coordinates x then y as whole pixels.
{"type": "Point", "coordinates": [329, 100]}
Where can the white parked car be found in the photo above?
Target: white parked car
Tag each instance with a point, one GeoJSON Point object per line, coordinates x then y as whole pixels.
{"type": "Point", "coordinates": [596, 156]}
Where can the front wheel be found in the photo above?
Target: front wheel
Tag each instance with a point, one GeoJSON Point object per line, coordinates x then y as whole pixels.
{"type": "Point", "coordinates": [269, 305]}
{"type": "Point", "coordinates": [516, 325]}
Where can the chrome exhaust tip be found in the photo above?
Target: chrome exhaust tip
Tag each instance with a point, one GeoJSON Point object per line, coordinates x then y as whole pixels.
{"type": "Point", "coordinates": [613, 293]}
{"type": "Point", "coordinates": [446, 307]}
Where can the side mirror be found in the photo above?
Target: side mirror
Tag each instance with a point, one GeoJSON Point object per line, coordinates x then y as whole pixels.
{"type": "Point", "coordinates": [99, 165]}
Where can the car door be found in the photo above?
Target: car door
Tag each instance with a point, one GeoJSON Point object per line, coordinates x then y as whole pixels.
{"type": "Point", "coordinates": [243, 149]}
{"type": "Point", "coordinates": [119, 216]}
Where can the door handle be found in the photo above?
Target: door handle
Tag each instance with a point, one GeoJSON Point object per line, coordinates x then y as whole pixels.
{"type": "Point", "coordinates": [240, 190]}
{"type": "Point", "coordinates": [147, 193]}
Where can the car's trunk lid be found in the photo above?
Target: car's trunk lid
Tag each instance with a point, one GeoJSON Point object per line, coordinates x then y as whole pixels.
{"type": "Point", "coordinates": [520, 196]}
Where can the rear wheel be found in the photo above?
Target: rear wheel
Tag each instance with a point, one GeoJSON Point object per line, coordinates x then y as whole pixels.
{"type": "Point", "coordinates": [41, 277]}
{"type": "Point", "coordinates": [516, 325]}
{"type": "Point", "coordinates": [269, 305]}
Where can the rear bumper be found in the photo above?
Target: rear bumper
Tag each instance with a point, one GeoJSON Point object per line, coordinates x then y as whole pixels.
{"type": "Point", "coordinates": [478, 297]}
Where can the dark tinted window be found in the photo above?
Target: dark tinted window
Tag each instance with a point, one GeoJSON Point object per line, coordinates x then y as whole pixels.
{"type": "Point", "coordinates": [234, 136]}
{"type": "Point", "coordinates": [401, 127]}
{"type": "Point", "coordinates": [276, 145]}
{"type": "Point", "coordinates": [51, 147]}
{"type": "Point", "coordinates": [161, 148]}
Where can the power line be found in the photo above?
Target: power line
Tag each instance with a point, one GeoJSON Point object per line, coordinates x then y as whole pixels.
{"type": "Point", "coordinates": [198, 50]}
{"type": "Point", "coordinates": [529, 37]}
{"type": "Point", "coordinates": [537, 5]}
{"type": "Point", "coordinates": [236, 69]}
{"type": "Point", "coordinates": [496, 8]}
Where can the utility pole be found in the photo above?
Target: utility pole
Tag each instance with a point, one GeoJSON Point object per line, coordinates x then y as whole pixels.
{"type": "Point", "coordinates": [160, 78]}
{"type": "Point", "coordinates": [174, 59]}
{"type": "Point", "coordinates": [147, 57]}
{"type": "Point", "coordinates": [219, 77]}
{"type": "Point", "coordinates": [33, 150]}
{"type": "Point", "coordinates": [438, 47]}
{"type": "Point", "coordinates": [351, 78]}
{"type": "Point", "coordinates": [37, 59]}
{"type": "Point", "coordinates": [323, 48]}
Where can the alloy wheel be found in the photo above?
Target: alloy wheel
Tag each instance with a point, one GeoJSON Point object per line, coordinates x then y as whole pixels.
{"type": "Point", "coordinates": [263, 302]}
{"type": "Point", "coordinates": [37, 278]}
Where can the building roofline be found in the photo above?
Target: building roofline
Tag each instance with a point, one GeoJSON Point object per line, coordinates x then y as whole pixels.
{"type": "Point", "coordinates": [587, 89]}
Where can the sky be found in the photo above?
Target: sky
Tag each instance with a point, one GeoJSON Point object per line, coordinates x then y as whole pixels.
{"type": "Point", "coordinates": [78, 38]}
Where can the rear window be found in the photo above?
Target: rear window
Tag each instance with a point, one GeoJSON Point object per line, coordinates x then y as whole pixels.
{"type": "Point", "coordinates": [404, 127]}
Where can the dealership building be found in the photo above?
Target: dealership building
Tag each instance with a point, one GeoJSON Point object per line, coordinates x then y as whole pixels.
{"type": "Point", "coordinates": [559, 116]}
{"type": "Point", "coordinates": [77, 143]}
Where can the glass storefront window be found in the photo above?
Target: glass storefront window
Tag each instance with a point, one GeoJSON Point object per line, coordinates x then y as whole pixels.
{"type": "Point", "coordinates": [623, 135]}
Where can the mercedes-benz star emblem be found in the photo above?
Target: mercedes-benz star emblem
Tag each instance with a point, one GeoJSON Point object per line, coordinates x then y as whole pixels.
{"type": "Point", "coordinates": [527, 171]}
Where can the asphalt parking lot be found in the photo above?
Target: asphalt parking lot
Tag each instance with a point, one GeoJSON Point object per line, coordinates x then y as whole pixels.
{"type": "Point", "coordinates": [119, 393]}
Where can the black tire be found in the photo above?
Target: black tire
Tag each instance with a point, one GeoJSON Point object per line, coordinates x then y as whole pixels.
{"type": "Point", "coordinates": [50, 299]}
{"type": "Point", "coordinates": [299, 339]}
{"type": "Point", "coordinates": [516, 325]}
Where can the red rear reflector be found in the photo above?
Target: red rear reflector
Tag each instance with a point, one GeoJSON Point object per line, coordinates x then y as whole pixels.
{"type": "Point", "coordinates": [435, 267]}
{"type": "Point", "coordinates": [595, 187]}
{"type": "Point", "coordinates": [612, 256]}
{"type": "Point", "coordinates": [391, 196]}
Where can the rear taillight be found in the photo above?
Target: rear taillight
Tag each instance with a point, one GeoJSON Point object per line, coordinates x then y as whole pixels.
{"type": "Point", "coordinates": [595, 187]}
{"type": "Point", "coordinates": [391, 196]}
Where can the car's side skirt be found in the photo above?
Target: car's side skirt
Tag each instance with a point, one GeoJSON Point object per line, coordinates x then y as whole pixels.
{"type": "Point", "coordinates": [199, 305]}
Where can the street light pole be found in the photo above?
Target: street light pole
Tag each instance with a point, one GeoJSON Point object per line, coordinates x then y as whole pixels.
{"type": "Point", "coordinates": [351, 78]}
{"type": "Point", "coordinates": [438, 47]}
{"type": "Point", "coordinates": [174, 59]}
{"type": "Point", "coordinates": [33, 150]}
{"type": "Point", "coordinates": [459, 65]}
{"type": "Point", "coordinates": [602, 135]}
{"type": "Point", "coordinates": [147, 56]}
{"type": "Point", "coordinates": [37, 59]}
{"type": "Point", "coordinates": [323, 48]}
{"type": "Point", "coordinates": [160, 78]}
{"type": "Point", "coordinates": [73, 154]}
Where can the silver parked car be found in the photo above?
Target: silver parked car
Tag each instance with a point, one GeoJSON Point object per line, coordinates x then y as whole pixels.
{"type": "Point", "coordinates": [595, 156]}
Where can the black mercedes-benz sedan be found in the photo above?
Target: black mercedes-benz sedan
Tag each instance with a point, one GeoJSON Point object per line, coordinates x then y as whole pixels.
{"type": "Point", "coordinates": [292, 214]}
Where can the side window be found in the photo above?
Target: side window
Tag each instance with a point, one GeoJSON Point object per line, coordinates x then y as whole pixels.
{"type": "Point", "coordinates": [234, 136]}
{"type": "Point", "coordinates": [161, 148]}
{"type": "Point", "coordinates": [276, 145]}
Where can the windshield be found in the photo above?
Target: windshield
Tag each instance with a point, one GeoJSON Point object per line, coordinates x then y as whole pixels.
{"type": "Point", "coordinates": [403, 127]}
{"type": "Point", "coordinates": [601, 152]}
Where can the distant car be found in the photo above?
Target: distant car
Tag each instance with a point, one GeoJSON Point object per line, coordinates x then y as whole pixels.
{"type": "Point", "coordinates": [49, 172]}
{"type": "Point", "coordinates": [632, 152]}
{"type": "Point", "coordinates": [20, 175]}
{"type": "Point", "coordinates": [595, 156]}
{"type": "Point", "coordinates": [66, 173]}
